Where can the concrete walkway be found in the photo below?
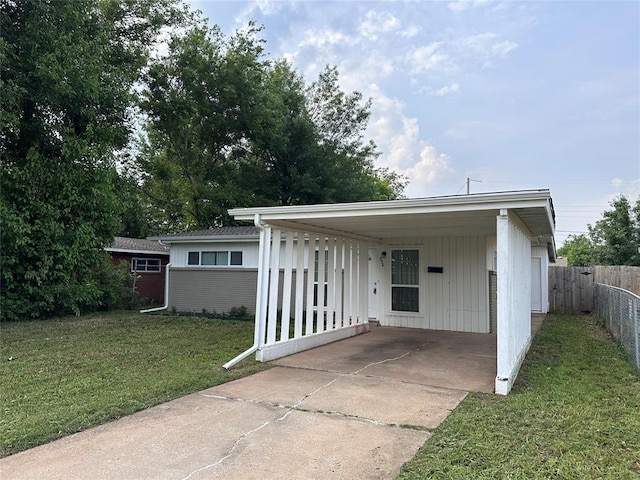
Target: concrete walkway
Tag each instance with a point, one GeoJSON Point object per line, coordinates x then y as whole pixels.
{"type": "Point", "coordinates": [355, 409]}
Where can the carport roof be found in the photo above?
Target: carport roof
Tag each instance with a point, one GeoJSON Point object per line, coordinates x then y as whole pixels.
{"type": "Point", "coordinates": [453, 215]}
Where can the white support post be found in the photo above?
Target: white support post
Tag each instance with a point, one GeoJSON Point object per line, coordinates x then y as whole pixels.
{"type": "Point", "coordinates": [273, 287]}
{"type": "Point", "coordinates": [310, 279]}
{"type": "Point", "coordinates": [363, 281]}
{"type": "Point", "coordinates": [286, 288]}
{"type": "Point", "coordinates": [339, 305]}
{"type": "Point", "coordinates": [331, 284]}
{"type": "Point", "coordinates": [348, 282]}
{"type": "Point", "coordinates": [263, 285]}
{"type": "Point", "coordinates": [514, 298]}
{"type": "Point", "coordinates": [320, 308]}
{"type": "Point", "coordinates": [297, 328]}
{"type": "Point", "coordinates": [504, 296]}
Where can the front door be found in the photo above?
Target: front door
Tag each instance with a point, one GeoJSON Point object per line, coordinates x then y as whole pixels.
{"type": "Point", "coordinates": [536, 284]}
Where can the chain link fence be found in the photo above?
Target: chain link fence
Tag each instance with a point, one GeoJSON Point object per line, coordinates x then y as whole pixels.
{"type": "Point", "coordinates": [620, 310]}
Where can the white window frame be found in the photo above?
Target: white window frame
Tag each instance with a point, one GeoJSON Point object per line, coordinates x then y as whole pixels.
{"type": "Point", "coordinates": [135, 267]}
{"type": "Point", "coordinates": [402, 285]}
{"type": "Point", "coordinates": [229, 254]}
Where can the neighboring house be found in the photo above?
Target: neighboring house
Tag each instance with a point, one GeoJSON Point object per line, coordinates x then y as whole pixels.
{"type": "Point", "coordinates": [147, 259]}
{"type": "Point", "coordinates": [469, 263]}
{"type": "Point", "coordinates": [213, 270]}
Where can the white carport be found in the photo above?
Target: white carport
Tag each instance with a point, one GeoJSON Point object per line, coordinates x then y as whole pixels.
{"type": "Point", "coordinates": [432, 258]}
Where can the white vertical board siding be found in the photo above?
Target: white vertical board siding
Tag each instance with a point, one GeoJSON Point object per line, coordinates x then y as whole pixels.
{"type": "Point", "coordinates": [514, 299]}
{"type": "Point", "coordinates": [456, 299]}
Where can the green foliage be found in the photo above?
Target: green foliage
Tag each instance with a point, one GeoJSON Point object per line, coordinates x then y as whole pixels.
{"type": "Point", "coordinates": [68, 68]}
{"type": "Point", "coordinates": [616, 237]}
{"type": "Point", "coordinates": [240, 313]}
{"type": "Point", "coordinates": [228, 128]}
{"type": "Point", "coordinates": [578, 250]}
{"type": "Point", "coordinates": [117, 286]}
{"type": "Point", "coordinates": [613, 240]}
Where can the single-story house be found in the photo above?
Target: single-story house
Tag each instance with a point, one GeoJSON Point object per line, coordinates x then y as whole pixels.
{"type": "Point", "coordinates": [469, 263]}
{"type": "Point", "coordinates": [147, 261]}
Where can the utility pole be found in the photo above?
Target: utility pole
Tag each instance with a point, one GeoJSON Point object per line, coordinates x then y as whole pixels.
{"type": "Point", "coordinates": [469, 180]}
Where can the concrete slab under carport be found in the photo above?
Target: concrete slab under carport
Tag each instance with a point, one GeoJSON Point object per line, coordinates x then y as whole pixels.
{"type": "Point", "coordinates": [436, 358]}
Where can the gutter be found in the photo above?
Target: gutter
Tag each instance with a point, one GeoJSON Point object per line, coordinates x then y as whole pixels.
{"type": "Point", "coordinates": [256, 335]}
{"type": "Point", "coordinates": [166, 293]}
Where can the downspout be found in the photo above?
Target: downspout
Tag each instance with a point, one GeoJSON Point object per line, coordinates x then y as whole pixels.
{"type": "Point", "coordinates": [256, 335]}
{"type": "Point", "coordinates": [166, 293]}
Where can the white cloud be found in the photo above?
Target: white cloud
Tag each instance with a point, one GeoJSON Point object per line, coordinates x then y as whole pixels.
{"type": "Point", "coordinates": [462, 5]}
{"type": "Point", "coordinates": [323, 39]}
{"type": "Point", "coordinates": [398, 137]}
{"type": "Point", "coordinates": [628, 188]}
{"type": "Point", "coordinates": [431, 166]}
{"type": "Point", "coordinates": [501, 49]}
{"type": "Point", "coordinates": [460, 53]}
{"type": "Point", "coordinates": [260, 7]}
{"type": "Point", "coordinates": [484, 46]}
{"type": "Point", "coordinates": [431, 58]}
{"type": "Point", "coordinates": [376, 23]}
{"type": "Point", "coordinates": [447, 90]}
{"type": "Point", "coordinates": [410, 32]}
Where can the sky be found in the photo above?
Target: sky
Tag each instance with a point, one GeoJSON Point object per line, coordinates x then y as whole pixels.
{"type": "Point", "coordinates": [513, 95]}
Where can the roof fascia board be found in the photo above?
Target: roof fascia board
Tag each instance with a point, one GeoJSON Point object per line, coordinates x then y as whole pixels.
{"type": "Point", "coordinates": [271, 214]}
{"type": "Point", "coordinates": [551, 217]}
{"type": "Point", "coordinates": [141, 252]}
{"type": "Point", "coordinates": [207, 238]}
{"type": "Point", "coordinates": [498, 199]}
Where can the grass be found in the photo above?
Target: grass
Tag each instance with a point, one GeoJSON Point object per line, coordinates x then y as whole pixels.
{"type": "Point", "coordinates": [573, 413]}
{"type": "Point", "coordinates": [65, 375]}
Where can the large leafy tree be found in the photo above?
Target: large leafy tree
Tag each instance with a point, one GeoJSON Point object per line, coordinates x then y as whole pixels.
{"type": "Point", "coordinates": [578, 250]}
{"type": "Point", "coordinates": [613, 240]}
{"type": "Point", "coordinates": [616, 237]}
{"type": "Point", "coordinates": [228, 127]}
{"type": "Point", "coordinates": [202, 102]}
{"type": "Point", "coordinates": [68, 72]}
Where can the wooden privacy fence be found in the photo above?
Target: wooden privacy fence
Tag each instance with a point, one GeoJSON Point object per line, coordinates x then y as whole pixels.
{"type": "Point", "coordinates": [571, 289]}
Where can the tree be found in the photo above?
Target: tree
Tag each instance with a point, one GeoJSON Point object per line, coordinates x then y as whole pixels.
{"type": "Point", "coordinates": [228, 128]}
{"type": "Point", "coordinates": [203, 104]}
{"type": "Point", "coordinates": [616, 237]}
{"type": "Point", "coordinates": [613, 240]}
{"type": "Point", "coordinates": [578, 250]}
{"type": "Point", "coordinates": [68, 70]}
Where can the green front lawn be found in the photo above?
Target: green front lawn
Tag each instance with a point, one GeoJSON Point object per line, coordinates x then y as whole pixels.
{"type": "Point", "coordinates": [65, 375]}
{"type": "Point", "coordinates": [573, 413]}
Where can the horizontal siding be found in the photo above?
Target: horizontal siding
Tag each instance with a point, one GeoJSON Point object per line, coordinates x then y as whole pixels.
{"type": "Point", "coordinates": [216, 290]}
{"type": "Point", "coordinates": [219, 290]}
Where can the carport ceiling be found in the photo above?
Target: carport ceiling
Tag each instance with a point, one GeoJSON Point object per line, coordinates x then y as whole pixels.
{"type": "Point", "coordinates": [436, 216]}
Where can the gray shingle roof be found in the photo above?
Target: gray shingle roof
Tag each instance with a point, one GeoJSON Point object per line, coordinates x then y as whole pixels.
{"type": "Point", "coordinates": [138, 245]}
{"type": "Point", "coordinates": [215, 232]}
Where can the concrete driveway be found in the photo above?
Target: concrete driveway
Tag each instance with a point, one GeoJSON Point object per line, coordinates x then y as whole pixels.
{"type": "Point", "coordinates": [355, 409]}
